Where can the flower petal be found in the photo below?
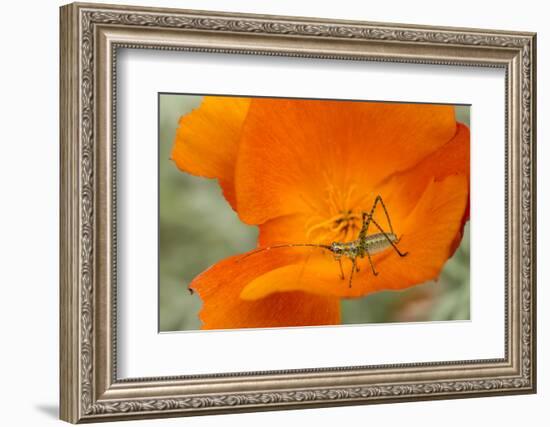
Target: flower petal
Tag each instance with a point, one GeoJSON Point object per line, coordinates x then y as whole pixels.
{"type": "Point", "coordinates": [297, 151]}
{"type": "Point", "coordinates": [402, 190]}
{"type": "Point", "coordinates": [284, 229]}
{"type": "Point", "coordinates": [219, 288]}
{"type": "Point", "coordinates": [207, 140]}
{"type": "Point", "coordinates": [428, 234]}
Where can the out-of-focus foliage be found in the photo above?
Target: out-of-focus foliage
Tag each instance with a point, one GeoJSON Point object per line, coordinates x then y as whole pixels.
{"type": "Point", "coordinates": [198, 228]}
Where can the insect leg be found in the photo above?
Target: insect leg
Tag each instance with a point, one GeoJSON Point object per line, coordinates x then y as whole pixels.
{"type": "Point", "coordinates": [368, 216]}
{"type": "Point", "coordinates": [379, 199]}
{"type": "Point", "coordinates": [341, 269]}
{"type": "Point", "coordinates": [401, 254]}
{"type": "Point", "coordinates": [371, 264]}
{"type": "Point", "coordinates": [353, 267]}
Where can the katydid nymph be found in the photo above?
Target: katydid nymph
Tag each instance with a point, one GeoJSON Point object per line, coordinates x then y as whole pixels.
{"type": "Point", "coordinates": [364, 246]}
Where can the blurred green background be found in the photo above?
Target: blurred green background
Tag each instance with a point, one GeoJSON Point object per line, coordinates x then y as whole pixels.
{"type": "Point", "coordinates": [198, 228]}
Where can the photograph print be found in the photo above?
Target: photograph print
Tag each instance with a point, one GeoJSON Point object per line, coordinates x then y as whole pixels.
{"type": "Point", "coordinates": [283, 212]}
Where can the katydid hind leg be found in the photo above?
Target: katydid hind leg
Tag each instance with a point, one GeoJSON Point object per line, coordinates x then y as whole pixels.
{"type": "Point", "coordinates": [371, 264]}
{"type": "Point", "coordinates": [379, 199]}
{"type": "Point", "coordinates": [401, 254]}
{"type": "Point", "coordinates": [366, 218]}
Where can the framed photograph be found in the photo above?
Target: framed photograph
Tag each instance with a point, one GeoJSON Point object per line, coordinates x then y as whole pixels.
{"type": "Point", "coordinates": [264, 212]}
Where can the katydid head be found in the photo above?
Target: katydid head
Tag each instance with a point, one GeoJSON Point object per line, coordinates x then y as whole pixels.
{"type": "Point", "coordinates": [338, 248]}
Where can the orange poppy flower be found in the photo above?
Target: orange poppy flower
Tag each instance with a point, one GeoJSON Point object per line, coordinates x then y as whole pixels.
{"type": "Point", "coordinates": [304, 171]}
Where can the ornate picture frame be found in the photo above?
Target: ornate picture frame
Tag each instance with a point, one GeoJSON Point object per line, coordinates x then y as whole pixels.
{"type": "Point", "coordinates": [91, 34]}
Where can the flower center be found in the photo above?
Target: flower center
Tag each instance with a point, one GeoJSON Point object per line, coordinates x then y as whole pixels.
{"type": "Point", "coordinates": [342, 227]}
{"type": "Point", "coordinates": [340, 223]}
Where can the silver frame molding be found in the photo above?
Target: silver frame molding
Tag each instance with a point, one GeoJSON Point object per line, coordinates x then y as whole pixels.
{"type": "Point", "coordinates": [90, 37]}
